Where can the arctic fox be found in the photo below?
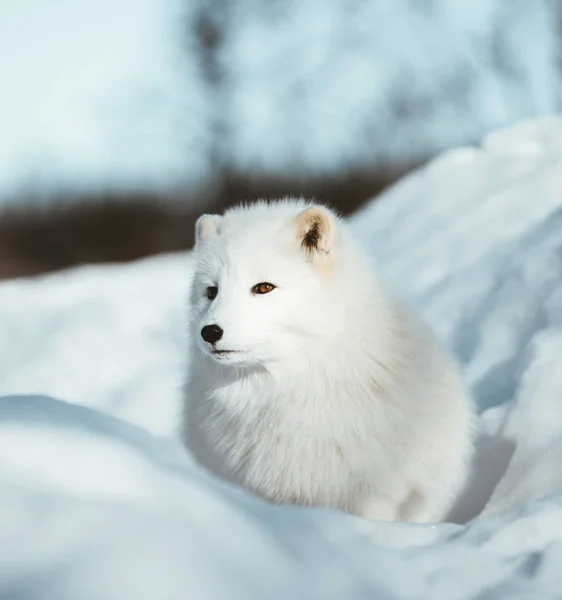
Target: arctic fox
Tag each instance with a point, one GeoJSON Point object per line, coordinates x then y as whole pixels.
{"type": "Point", "coordinates": [308, 383]}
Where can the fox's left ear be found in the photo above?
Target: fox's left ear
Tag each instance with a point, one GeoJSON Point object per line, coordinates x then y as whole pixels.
{"type": "Point", "coordinates": [317, 231]}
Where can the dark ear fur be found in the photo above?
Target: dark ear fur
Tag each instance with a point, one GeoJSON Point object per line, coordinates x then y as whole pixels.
{"type": "Point", "coordinates": [316, 230]}
{"type": "Point", "coordinates": [312, 235]}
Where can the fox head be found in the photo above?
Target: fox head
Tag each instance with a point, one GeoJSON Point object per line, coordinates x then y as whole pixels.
{"type": "Point", "coordinates": [265, 287]}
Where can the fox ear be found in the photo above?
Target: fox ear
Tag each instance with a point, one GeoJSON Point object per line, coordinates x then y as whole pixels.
{"type": "Point", "coordinates": [206, 227]}
{"type": "Point", "coordinates": [317, 230]}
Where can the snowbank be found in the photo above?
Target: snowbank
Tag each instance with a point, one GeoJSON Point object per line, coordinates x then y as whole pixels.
{"type": "Point", "coordinates": [112, 338]}
{"type": "Point", "coordinates": [95, 507]}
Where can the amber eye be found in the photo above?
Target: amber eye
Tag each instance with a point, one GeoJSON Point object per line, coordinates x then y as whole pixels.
{"type": "Point", "coordinates": [263, 288]}
{"type": "Point", "coordinates": [212, 292]}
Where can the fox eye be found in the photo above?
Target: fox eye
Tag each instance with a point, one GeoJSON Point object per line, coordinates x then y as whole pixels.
{"type": "Point", "coordinates": [263, 288]}
{"type": "Point", "coordinates": [212, 292]}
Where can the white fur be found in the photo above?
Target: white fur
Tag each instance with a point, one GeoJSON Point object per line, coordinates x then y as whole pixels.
{"type": "Point", "coordinates": [335, 397]}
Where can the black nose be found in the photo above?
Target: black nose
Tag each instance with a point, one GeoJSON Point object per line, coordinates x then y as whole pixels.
{"type": "Point", "coordinates": [211, 333]}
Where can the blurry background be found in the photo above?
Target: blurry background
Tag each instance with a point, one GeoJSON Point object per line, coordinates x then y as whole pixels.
{"type": "Point", "coordinates": [122, 120]}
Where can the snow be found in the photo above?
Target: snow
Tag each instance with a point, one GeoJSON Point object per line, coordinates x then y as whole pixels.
{"type": "Point", "coordinates": [100, 500]}
{"type": "Point", "coordinates": [116, 333]}
{"type": "Point", "coordinates": [153, 525]}
{"type": "Point", "coordinates": [116, 94]}
{"type": "Point", "coordinates": [496, 205]}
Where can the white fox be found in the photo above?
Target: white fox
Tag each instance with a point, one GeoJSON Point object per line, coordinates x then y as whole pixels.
{"type": "Point", "coordinates": [309, 384]}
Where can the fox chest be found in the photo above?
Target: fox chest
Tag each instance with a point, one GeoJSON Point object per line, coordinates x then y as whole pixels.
{"type": "Point", "coordinates": [288, 453]}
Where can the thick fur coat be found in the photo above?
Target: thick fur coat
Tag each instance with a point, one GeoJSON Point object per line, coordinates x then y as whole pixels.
{"type": "Point", "coordinates": [309, 384]}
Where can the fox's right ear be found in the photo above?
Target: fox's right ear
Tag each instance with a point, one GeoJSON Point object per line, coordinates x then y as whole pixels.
{"type": "Point", "coordinates": [206, 227]}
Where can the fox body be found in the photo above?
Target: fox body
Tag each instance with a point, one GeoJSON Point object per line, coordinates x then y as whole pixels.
{"type": "Point", "coordinates": [309, 383]}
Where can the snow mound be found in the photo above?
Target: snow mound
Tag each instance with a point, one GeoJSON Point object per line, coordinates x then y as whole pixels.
{"type": "Point", "coordinates": [97, 507]}
{"type": "Point", "coordinates": [108, 337]}
{"type": "Point", "coordinates": [474, 241]}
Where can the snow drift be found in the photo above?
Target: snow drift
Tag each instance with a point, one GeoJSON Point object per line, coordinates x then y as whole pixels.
{"type": "Point", "coordinates": [95, 506]}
